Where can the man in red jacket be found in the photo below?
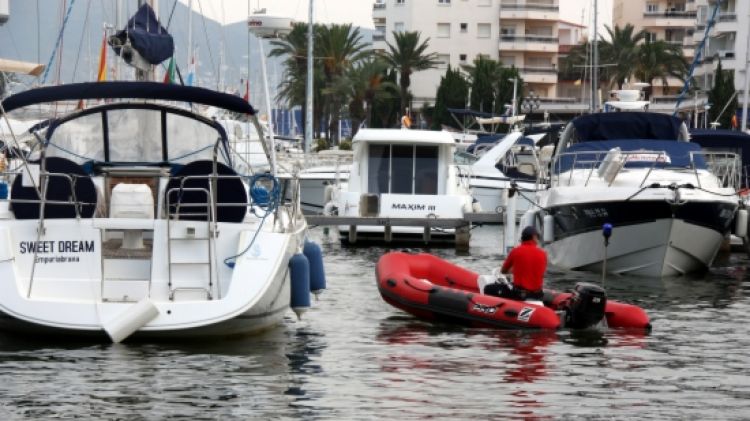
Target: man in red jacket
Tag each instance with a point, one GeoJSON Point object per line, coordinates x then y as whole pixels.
{"type": "Point", "coordinates": [528, 263]}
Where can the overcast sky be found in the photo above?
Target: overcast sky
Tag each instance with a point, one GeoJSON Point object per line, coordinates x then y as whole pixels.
{"type": "Point", "coordinates": [359, 12]}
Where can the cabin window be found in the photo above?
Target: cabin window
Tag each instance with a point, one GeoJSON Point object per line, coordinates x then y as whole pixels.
{"type": "Point", "coordinates": [79, 140]}
{"type": "Point", "coordinates": [403, 169]}
{"type": "Point", "coordinates": [426, 170]}
{"type": "Point", "coordinates": [378, 169]}
{"type": "Point", "coordinates": [134, 135]}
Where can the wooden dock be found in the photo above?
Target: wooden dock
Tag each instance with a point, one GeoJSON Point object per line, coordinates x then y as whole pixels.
{"type": "Point", "coordinates": [461, 225]}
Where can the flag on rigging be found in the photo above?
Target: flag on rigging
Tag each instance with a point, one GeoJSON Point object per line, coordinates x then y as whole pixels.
{"type": "Point", "coordinates": [190, 78]}
{"type": "Point", "coordinates": [102, 75]}
{"type": "Point", "coordinates": [246, 97]}
{"type": "Point", "coordinates": [169, 75]}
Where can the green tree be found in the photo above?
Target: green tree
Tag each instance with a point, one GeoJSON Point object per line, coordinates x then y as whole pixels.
{"type": "Point", "coordinates": [659, 60]}
{"type": "Point", "coordinates": [451, 93]}
{"type": "Point", "coordinates": [483, 75]}
{"type": "Point", "coordinates": [292, 89]}
{"type": "Point", "coordinates": [367, 81]}
{"type": "Point", "coordinates": [720, 94]}
{"type": "Point", "coordinates": [339, 47]}
{"type": "Point", "coordinates": [407, 55]}
{"type": "Point", "coordinates": [621, 49]}
{"type": "Point", "coordinates": [385, 108]}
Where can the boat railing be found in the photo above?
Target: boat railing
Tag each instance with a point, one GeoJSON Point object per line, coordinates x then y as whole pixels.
{"type": "Point", "coordinates": [726, 166]}
{"type": "Point", "coordinates": [588, 162]}
{"type": "Point", "coordinates": [45, 177]}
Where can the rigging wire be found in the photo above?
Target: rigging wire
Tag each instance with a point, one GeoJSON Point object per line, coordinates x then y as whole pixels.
{"type": "Point", "coordinates": [205, 33]}
{"type": "Point", "coordinates": [80, 44]}
{"type": "Point", "coordinates": [58, 43]}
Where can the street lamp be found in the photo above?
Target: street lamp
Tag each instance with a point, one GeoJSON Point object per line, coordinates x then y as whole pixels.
{"type": "Point", "coordinates": [530, 103]}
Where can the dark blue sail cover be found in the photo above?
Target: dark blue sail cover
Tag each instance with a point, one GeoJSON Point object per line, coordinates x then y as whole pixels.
{"type": "Point", "coordinates": [586, 154]}
{"type": "Point", "coordinates": [627, 125]}
{"type": "Point", "coordinates": [147, 36]}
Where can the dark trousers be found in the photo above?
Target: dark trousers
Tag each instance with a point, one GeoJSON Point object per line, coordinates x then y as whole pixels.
{"type": "Point", "coordinates": [501, 289]}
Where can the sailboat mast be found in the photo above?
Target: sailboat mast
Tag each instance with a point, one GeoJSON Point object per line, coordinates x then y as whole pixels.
{"type": "Point", "coordinates": [190, 35]}
{"type": "Point", "coordinates": [595, 64]}
{"type": "Point", "coordinates": [309, 94]}
{"type": "Point", "coordinates": [747, 83]}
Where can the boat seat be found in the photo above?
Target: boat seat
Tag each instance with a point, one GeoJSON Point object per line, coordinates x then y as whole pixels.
{"type": "Point", "coordinates": [58, 189]}
{"type": "Point", "coordinates": [230, 192]}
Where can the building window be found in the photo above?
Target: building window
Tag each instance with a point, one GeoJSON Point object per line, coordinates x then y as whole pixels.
{"type": "Point", "coordinates": [400, 2]}
{"type": "Point", "coordinates": [443, 60]}
{"type": "Point", "coordinates": [484, 30]}
{"type": "Point", "coordinates": [652, 7]}
{"type": "Point", "coordinates": [650, 36]}
{"type": "Point", "coordinates": [510, 31]}
{"type": "Point", "coordinates": [444, 2]}
{"type": "Point", "coordinates": [443, 30]}
{"type": "Point", "coordinates": [464, 27]}
{"type": "Point", "coordinates": [462, 57]}
{"type": "Point", "coordinates": [398, 26]}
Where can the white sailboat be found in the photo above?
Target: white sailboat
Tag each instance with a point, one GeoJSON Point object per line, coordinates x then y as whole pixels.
{"type": "Point", "coordinates": [128, 218]}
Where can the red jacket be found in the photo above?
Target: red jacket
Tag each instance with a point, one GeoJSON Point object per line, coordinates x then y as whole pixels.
{"type": "Point", "coordinates": [528, 263]}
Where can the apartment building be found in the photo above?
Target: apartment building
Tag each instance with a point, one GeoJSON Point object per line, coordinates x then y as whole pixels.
{"type": "Point", "coordinates": [523, 33]}
{"type": "Point", "coordinates": [672, 21]}
{"type": "Point", "coordinates": [728, 40]}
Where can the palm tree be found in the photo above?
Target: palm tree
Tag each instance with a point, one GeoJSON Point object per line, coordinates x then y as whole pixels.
{"type": "Point", "coordinates": [339, 47]}
{"type": "Point", "coordinates": [659, 60]}
{"type": "Point", "coordinates": [292, 88]}
{"type": "Point", "coordinates": [408, 55]}
{"type": "Point", "coordinates": [366, 83]}
{"type": "Point", "coordinates": [621, 49]}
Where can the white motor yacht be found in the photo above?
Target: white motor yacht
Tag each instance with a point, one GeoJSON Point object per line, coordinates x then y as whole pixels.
{"type": "Point", "coordinates": [512, 164]}
{"type": "Point", "coordinates": [400, 173]}
{"type": "Point", "coordinates": [637, 171]}
{"type": "Point", "coordinates": [128, 218]}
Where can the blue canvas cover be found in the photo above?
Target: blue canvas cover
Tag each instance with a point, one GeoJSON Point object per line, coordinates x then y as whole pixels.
{"type": "Point", "coordinates": [147, 36]}
{"type": "Point", "coordinates": [592, 153]}
{"type": "Point", "coordinates": [127, 90]}
{"type": "Point", "coordinates": [627, 125]}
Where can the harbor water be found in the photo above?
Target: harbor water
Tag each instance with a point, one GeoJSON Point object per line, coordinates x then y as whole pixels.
{"type": "Point", "coordinates": [355, 357]}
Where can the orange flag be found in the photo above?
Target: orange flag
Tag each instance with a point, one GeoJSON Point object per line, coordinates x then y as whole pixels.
{"type": "Point", "coordinates": [102, 75]}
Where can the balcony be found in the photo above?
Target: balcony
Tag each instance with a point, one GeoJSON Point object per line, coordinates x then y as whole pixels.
{"type": "Point", "coordinates": [670, 19]}
{"type": "Point", "coordinates": [531, 5]}
{"type": "Point", "coordinates": [532, 10]}
{"type": "Point", "coordinates": [378, 36]}
{"type": "Point", "coordinates": [378, 6]}
{"type": "Point", "coordinates": [539, 43]}
{"type": "Point", "coordinates": [544, 74]}
{"type": "Point", "coordinates": [681, 14]}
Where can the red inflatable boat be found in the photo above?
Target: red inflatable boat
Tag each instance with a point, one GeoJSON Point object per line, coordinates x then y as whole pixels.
{"type": "Point", "coordinates": [431, 288]}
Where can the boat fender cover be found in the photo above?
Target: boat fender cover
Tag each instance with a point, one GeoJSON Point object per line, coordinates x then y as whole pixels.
{"type": "Point", "coordinates": [314, 255]}
{"type": "Point", "coordinates": [299, 272]}
{"type": "Point", "coordinates": [130, 320]}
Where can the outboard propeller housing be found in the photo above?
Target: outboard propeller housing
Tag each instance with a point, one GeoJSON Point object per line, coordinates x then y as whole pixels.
{"type": "Point", "coordinates": [586, 306]}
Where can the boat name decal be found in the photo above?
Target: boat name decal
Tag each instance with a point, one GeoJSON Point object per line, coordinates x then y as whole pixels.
{"type": "Point", "coordinates": [525, 314]}
{"type": "Point", "coordinates": [62, 246]}
{"type": "Point", "coordinates": [412, 207]}
{"type": "Point", "coordinates": [485, 308]}
{"type": "Point", "coordinates": [596, 212]}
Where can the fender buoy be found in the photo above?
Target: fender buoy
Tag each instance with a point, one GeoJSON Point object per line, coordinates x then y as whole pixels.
{"type": "Point", "coordinates": [299, 272]}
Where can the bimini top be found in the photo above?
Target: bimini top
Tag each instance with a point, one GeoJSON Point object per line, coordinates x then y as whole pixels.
{"type": "Point", "coordinates": [128, 90]}
{"type": "Point", "coordinates": [627, 125]}
{"type": "Point", "coordinates": [428, 137]}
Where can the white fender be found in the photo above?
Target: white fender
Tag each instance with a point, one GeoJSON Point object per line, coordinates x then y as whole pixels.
{"type": "Point", "coordinates": [130, 320]}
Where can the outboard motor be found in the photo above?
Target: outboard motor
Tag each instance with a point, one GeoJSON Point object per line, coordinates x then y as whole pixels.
{"type": "Point", "coordinates": [585, 307]}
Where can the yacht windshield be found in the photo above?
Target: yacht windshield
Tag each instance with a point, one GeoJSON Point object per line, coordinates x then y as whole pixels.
{"type": "Point", "coordinates": [134, 135]}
